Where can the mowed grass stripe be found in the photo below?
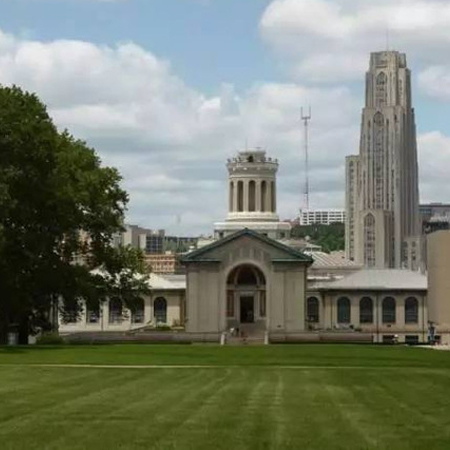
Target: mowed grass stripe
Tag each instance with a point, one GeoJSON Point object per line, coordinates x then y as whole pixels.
{"type": "Point", "coordinates": [146, 415]}
{"type": "Point", "coordinates": [194, 355]}
{"type": "Point", "coordinates": [81, 413]}
{"type": "Point", "coordinates": [234, 407]}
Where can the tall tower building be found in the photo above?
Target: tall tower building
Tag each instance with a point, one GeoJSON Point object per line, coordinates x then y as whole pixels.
{"type": "Point", "coordinates": [252, 192]}
{"type": "Point", "coordinates": [382, 193]}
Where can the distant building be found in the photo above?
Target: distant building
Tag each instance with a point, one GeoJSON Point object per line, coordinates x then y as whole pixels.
{"type": "Point", "coordinates": [351, 181]}
{"type": "Point", "coordinates": [433, 216]}
{"type": "Point", "coordinates": [428, 210]}
{"type": "Point", "coordinates": [436, 223]}
{"type": "Point", "coordinates": [180, 244]}
{"type": "Point", "coordinates": [166, 263]}
{"type": "Point", "coordinates": [149, 241]}
{"type": "Point", "coordinates": [322, 216]}
{"type": "Point", "coordinates": [382, 181]}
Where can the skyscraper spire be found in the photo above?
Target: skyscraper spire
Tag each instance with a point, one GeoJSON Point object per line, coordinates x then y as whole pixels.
{"type": "Point", "coordinates": [382, 182]}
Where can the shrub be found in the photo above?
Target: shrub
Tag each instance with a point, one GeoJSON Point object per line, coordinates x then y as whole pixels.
{"type": "Point", "coordinates": [49, 339]}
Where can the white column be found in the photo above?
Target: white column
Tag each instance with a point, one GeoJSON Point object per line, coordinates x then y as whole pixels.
{"type": "Point", "coordinates": [274, 196]}
{"type": "Point", "coordinates": [147, 309]}
{"type": "Point", "coordinates": [246, 196]}
{"type": "Point", "coordinates": [268, 196]}
{"type": "Point", "coordinates": [258, 196]}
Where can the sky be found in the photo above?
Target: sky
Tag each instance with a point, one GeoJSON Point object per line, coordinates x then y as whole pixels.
{"type": "Point", "coordinates": [167, 90]}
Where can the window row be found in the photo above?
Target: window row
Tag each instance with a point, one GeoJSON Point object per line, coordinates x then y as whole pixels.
{"type": "Point", "coordinates": [366, 310]}
{"type": "Point", "coordinates": [117, 312]}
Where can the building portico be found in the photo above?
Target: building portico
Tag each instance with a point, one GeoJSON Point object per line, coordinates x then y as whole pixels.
{"type": "Point", "coordinates": [245, 279]}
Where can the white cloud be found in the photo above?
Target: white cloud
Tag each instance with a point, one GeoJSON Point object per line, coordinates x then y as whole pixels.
{"type": "Point", "coordinates": [329, 40]}
{"type": "Point", "coordinates": [171, 142]}
{"type": "Point", "coordinates": [435, 81]}
{"type": "Point", "coordinates": [434, 161]}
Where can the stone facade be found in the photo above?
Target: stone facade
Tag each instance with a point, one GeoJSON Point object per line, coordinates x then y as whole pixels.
{"type": "Point", "coordinates": [379, 303]}
{"type": "Point", "coordinates": [246, 280]}
{"type": "Point", "coordinates": [438, 248]}
{"type": "Point", "coordinates": [382, 182]}
{"type": "Point", "coordinates": [164, 306]}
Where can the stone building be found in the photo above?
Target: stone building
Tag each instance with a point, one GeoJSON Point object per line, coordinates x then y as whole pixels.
{"type": "Point", "coordinates": [382, 181]}
{"type": "Point", "coordinates": [164, 306]}
{"type": "Point", "coordinates": [438, 249]}
{"type": "Point", "coordinates": [380, 304]}
{"type": "Point", "coordinates": [165, 263]}
{"type": "Point", "coordinates": [251, 282]}
{"type": "Point", "coordinates": [246, 281]}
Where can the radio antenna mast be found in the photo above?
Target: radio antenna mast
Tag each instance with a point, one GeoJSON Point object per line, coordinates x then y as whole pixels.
{"type": "Point", "coordinates": [306, 118]}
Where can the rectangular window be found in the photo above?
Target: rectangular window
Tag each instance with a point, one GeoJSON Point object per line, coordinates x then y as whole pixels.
{"type": "Point", "coordinates": [388, 339]}
{"type": "Point", "coordinates": [230, 304]}
{"type": "Point", "coordinates": [411, 339]}
{"type": "Point", "coordinates": [92, 316]}
{"type": "Point", "coordinates": [262, 304]}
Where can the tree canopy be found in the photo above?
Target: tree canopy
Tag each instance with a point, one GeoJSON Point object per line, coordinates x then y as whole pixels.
{"type": "Point", "coordinates": [329, 237]}
{"type": "Point", "coordinates": [58, 204]}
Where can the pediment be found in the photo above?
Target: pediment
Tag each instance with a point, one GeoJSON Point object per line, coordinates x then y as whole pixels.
{"type": "Point", "coordinates": [247, 244]}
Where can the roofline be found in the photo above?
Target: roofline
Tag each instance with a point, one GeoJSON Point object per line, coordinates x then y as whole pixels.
{"type": "Point", "coordinates": [190, 257]}
{"type": "Point", "coordinates": [371, 289]}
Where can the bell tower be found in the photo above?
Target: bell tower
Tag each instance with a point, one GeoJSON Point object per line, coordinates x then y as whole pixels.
{"type": "Point", "coordinates": [252, 187]}
{"type": "Point", "coordinates": [252, 196]}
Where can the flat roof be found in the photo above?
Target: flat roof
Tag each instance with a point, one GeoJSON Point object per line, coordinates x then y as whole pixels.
{"type": "Point", "coordinates": [381, 279]}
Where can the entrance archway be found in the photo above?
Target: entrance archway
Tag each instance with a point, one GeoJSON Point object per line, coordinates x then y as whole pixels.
{"type": "Point", "coordinates": [246, 295]}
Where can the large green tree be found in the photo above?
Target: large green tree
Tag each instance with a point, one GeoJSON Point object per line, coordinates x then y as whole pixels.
{"type": "Point", "coordinates": [58, 205]}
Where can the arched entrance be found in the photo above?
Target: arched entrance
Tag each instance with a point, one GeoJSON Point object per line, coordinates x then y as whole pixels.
{"type": "Point", "coordinates": [246, 296]}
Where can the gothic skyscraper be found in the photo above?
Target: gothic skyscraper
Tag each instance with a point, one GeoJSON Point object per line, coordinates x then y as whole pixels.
{"type": "Point", "coordinates": [382, 193]}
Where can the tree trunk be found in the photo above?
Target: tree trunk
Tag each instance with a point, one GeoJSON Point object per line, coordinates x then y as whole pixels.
{"type": "Point", "coordinates": [24, 331]}
{"type": "Point", "coordinates": [3, 333]}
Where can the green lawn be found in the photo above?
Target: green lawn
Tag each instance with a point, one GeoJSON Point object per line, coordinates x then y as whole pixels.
{"type": "Point", "coordinates": [276, 397]}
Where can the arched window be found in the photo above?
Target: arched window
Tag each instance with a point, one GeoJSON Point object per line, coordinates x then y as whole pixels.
{"type": "Point", "coordinates": [240, 194]}
{"type": "Point", "coordinates": [381, 91]}
{"type": "Point", "coordinates": [369, 241]}
{"type": "Point", "coordinates": [137, 315]}
{"type": "Point", "coordinates": [252, 196]}
{"type": "Point", "coordinates": [312, 310]}
{"type": "Point", "coordinates": [411, 310]}
{"type": "Point", "coordinates": [379, 160]}
{"type": "Point", "coordinates": [343, 307]}
{"type": "Point", "coordinates": [160, 310]}
{"type": "Point", "coordinates": [366, 310]}
{"type": "Point", "coordinates": [246, 275]}
{"type": "Point", "coordinates": [115, 310]}
{"type": "Point", "coordinates": [263, 196]}
{"type": "Point", "coordinates": [388, 314]}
